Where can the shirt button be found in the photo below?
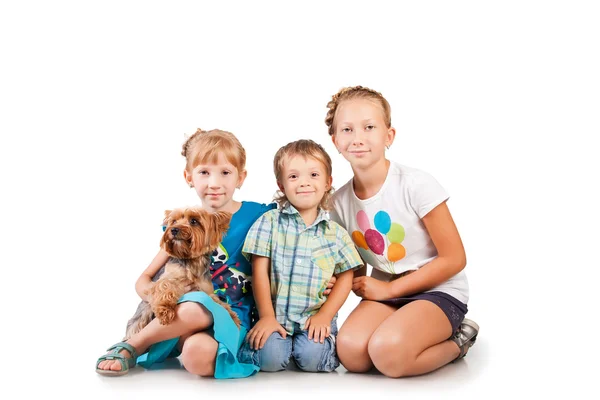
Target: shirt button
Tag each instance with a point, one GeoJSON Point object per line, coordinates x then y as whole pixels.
{"type": "Point", "coordinates": [298, 261]}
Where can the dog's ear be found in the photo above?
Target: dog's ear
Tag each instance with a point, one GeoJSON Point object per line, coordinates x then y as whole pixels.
{"type": "Point", "coordinates": [167, 215]}
{"type": "Point", "coordinates": [221, 220]}
{"type": "Point", "coordinates": [215, 225]}
{"type": "Point", "coordinates": [218, 225]}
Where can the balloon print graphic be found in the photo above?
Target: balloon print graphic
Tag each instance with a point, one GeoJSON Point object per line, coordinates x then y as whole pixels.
{"type": "Point", "coordinates": [384, 241]}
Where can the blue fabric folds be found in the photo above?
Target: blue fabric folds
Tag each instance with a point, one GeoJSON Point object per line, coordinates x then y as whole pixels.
{"type": "Point", "coordinates": [229, 337]}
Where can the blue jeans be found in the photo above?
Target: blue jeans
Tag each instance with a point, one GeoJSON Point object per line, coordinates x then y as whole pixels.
{"type": "Point", "coordinates": [308, 355]}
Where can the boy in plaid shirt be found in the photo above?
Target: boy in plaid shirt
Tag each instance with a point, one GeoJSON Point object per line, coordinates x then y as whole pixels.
{"type": "Point", "coordinates": [295, 250]}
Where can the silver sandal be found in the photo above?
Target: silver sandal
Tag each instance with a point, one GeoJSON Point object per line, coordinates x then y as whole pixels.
{"type": "Point", "coordinates": [465, 337]}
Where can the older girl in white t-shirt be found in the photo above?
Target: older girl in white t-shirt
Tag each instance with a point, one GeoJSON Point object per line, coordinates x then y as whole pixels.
{"type": "Point", "coordinates": [411, 320]}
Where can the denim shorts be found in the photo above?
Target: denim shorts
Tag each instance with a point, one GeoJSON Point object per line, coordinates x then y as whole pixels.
{"type": "Point", "coordinates": [308, 355]}
{"type": "Point", "coordinates": [454, 309]}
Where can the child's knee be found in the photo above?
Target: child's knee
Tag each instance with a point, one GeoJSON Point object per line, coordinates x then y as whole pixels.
{"type": "Point", "coordinates": [271, 362]}
{"type": "Point", "coordinates": [315, 357]}
{"type": "Point", "coordinates": [276, 353]}
{"type": "Point", "coordinates": [198, 355]}
{"type": "Point", "coordinates": [392, 356]}
{"type": "Point", "coordinates": [194, 313]}
{"type": "Point", "coordinates": [274, 356]}
{"type": "Point", "coordinates": [350, 344]}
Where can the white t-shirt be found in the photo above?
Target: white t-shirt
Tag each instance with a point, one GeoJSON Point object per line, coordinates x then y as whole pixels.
{"type": "Point", "coordinates": [387, 228]}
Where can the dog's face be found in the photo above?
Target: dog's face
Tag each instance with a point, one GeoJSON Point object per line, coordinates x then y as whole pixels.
{"type": "Point", "coordinates": [193, 232]}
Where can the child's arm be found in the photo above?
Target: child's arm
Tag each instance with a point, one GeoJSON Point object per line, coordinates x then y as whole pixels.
{"type": "Point", "coordinates": [319, 325]}
{"type": "Point", "coordinates": [362, 271]}
{"type": "Point", "coordinates": [450, 261]}
{"type": "Point", "coordinates": [267, 323]}
{"type": "Point", "coordinates": [144, 282]}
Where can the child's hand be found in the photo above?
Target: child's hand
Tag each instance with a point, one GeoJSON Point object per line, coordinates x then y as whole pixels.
{"type": "Point", "coordinates": [257, 337]}
{"type": "Point", "coordinates": [329, 285]}
{"type": "Point", "coordinates": [319, 327]}
{"type": "Point", "coordinates": [371, 289]}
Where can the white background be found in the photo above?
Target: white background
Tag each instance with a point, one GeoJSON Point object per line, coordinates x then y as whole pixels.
{"type": "Point", "coordinates": [499, 101]}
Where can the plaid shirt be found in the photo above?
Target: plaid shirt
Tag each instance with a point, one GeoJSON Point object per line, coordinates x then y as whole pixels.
{"type": "Point", "coordinates": [303, 260]}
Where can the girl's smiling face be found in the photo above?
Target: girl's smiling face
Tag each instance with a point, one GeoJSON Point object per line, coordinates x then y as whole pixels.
{"type": "Point", "coordinates": [360, 132]}
{"type": "Point", "coordinates": [215, 183]}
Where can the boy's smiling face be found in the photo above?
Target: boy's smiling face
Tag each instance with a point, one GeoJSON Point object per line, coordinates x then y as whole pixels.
{"type": "Point", "coordinates": [304, 182]}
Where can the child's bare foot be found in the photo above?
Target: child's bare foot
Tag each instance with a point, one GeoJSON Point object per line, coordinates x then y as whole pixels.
{"type": "Point", "coordinates": [118, 360]}
{"type": "Point", "coordinates": [113, 365]}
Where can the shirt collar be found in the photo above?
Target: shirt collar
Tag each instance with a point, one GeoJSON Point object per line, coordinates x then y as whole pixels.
{"type": "Point", "coordinates": [322, 215]}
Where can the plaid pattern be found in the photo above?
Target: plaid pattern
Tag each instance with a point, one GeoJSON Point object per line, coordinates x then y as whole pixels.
{"type": "Point", "coordinates": [303, 260]}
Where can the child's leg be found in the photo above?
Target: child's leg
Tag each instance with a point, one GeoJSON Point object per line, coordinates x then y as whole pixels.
{"type": "Point", "coordinates": [355, 333]}
{"type": "Point", "coordinates": [190, 317]}
{"type": "Point", "coordinates": [198, 354]}
{"type": "Point", "coordinates": [316, 357]}
{"type": "Point", "coordinates": [274, 356]}
{"type": "Point", "coordinates": [414, 340]}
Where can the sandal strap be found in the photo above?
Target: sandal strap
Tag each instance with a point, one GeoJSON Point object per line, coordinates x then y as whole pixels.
{"type": "Point", "coordinates": [463, 351]}
{"type": "Point", "coordinates": [126, 346]}
{"type": "Point", "coordinates": [465, 348]}
{"type": "Point", "coordinates": [125, 362]}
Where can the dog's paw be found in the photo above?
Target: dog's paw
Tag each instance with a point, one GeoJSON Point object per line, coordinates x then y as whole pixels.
{"type": "Point", "coordinates": [165, 315]}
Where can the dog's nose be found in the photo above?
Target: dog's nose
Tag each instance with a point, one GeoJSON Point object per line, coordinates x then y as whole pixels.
{"type": "Point", "coordinates": [174, 231]}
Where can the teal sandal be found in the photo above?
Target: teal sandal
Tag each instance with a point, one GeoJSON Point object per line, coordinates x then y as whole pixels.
{"type": "Point", "coordinates": [126, 362]}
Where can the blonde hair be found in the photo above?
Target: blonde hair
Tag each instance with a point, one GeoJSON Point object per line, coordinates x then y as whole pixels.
{"type": "Point", "coordinates": [204, 147]}
{"type": "Point", "coordinates": [305, 148]}
{"type": "Point", "coordinates": [356, 92]}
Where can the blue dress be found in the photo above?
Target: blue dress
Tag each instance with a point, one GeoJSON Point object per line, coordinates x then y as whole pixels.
{"type": "Point", "coordinates": [232, 281]}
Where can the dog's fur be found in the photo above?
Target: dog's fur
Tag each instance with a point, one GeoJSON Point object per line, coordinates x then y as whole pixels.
{"type": "Point", "coordinates": [190, 236]}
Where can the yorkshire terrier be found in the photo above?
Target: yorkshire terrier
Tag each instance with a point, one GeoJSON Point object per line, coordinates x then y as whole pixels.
{"type": "Point", "coordinates": [190, 237]}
